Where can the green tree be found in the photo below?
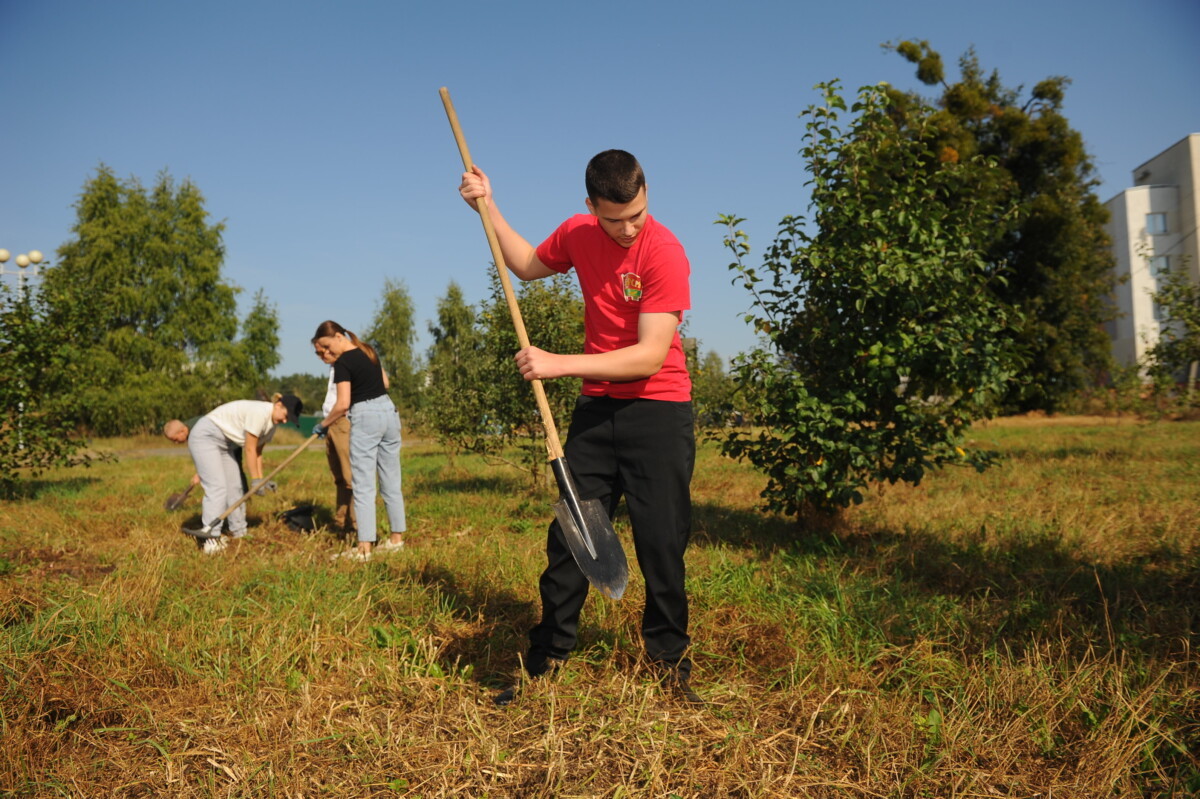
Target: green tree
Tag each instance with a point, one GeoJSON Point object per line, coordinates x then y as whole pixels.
{"type": "Point", "coordinates": [882, 339]}
{"type": "Point", "coordinates": [40, 374]}
{"type": "Point", "coordinates": [260, 339]}
{"type": "Point", "coordinates": [393, 335]}
{"type": "Point", "coordinates": [1054, 252]}
{"type": "Point", "coordinates": [476, 397]}
{"type": "Point", "coordinates": [1176, 356]}
{"type": "Point", "coordinates": [308, 387]}
{"type": "Point", "coordinates": [714, 392]}
{"type": "Point", "coordinates": [150, 266]}
{"type": "Point", "coordinates": [145, 267]}
{"type": "Point", "coordinates": [454, 406]}
{"type": "Point", "coordinates": [552, 309]}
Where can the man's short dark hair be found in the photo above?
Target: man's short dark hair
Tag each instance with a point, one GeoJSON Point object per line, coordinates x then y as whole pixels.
{"type": "Point", "coordinates": [614, 175]}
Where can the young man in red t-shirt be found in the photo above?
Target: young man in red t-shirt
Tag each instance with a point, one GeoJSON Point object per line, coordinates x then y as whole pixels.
{"type": "Point", "coordinates": [631, 434]}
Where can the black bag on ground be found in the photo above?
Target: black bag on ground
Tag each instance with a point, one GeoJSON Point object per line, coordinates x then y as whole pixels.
{"type": "Point", "coordinates": [299, 519]}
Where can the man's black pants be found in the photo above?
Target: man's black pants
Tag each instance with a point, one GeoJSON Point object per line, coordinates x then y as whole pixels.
{"type": "Point", "coordinates": [642, 450]}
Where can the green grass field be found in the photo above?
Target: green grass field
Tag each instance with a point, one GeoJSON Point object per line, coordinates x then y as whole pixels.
{"type": "Point", "coordinates": [1028, 632]}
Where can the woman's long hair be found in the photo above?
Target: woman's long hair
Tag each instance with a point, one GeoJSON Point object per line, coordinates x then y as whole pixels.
{"type": "Point", "coordinates": [331, 328]}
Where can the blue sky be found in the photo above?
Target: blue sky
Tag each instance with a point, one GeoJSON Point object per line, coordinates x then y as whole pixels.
{"type": "Point", "coordinates": [315, 130]}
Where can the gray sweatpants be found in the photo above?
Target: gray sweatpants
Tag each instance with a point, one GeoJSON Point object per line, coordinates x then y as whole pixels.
{"type": "Point", "coordinates": [218, 462]}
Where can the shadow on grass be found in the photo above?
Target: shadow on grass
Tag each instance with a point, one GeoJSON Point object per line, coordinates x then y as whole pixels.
{"type": "Point", "coordinates": [42, 489]}
{"type": "Point", "coordinates": [493, 632]}
{"type": "Point", "coordinates": [714, 524]}
{"type": "Point", "coordinates": [1033, 586]}
{"type": "Point", "coordinates": [1013, 592]}
{"type": "Point", "coordinates": [468, 484]}
{"type": "Point", "coordinates": [1065, 453]}
{"type": "Point", "coordinates": [323, 519]}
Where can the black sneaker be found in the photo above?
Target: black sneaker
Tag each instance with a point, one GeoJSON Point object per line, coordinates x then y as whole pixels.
{"type": "Point", "coordinates": [678, 685]}
{"type": "Point", "coordinates": [541, 665]}
{"type": "Point", "coordinates": [685, 692]}
{"type": "Point", "coordinates": [536, 667]}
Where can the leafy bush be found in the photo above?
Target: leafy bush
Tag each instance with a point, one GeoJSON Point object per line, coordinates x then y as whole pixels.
{"type": "Point", "coordinates": [883, 340]}
{"type": "Point", "coordinates": [1174, 358]}
{"type": "Point", "coordinates": [39, 375]}
{"type": "Point", "coordinates": [475, 398]}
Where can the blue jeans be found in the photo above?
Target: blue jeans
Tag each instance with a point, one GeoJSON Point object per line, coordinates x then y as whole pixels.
{"type": "Point", "coordinates": [375, 450]}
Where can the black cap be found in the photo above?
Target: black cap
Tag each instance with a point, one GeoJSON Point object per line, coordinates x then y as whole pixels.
{"type": "Point", "coordinates": [294, 407]}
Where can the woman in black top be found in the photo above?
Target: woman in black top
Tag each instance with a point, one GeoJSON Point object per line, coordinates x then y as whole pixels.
{"type": "Point", "coordinates": [374, 435]}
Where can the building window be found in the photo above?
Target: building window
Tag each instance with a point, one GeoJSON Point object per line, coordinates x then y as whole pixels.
{"type": "Point", "coordinates": [1156, 223]}
{"type": "Point", "coordinates": [1159, 264]}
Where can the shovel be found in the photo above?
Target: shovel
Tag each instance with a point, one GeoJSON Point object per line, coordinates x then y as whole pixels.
{"type": "Point", "coordinates": [176, 500]}
{"type": "Point", "coordinates": [207, 530]}
{"type": "Point", "coordinates": [585, 524]}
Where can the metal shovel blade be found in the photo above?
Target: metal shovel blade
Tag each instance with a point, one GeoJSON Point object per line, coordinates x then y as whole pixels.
{"type": "Point", "coordinates": [590, 536]}
{"type": "Point", "coordinates": [176, 500]}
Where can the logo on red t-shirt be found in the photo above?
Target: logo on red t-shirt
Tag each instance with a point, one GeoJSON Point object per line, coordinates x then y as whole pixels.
{"type": "Point", "coordinates": [631, 287]}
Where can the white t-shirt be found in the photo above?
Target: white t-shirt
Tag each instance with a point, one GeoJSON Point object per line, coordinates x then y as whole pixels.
{"type": "Point", "coordinates": [330, 396]}
{"type": "Point", "coordinates": [236, 419]}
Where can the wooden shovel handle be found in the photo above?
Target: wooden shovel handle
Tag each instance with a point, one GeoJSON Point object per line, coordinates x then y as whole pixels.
{"type": "Point", "coordinates": [553, 446]}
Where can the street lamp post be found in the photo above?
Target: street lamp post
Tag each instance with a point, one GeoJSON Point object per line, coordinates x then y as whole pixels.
{"type": "Point", "coordinates": [33, 258]}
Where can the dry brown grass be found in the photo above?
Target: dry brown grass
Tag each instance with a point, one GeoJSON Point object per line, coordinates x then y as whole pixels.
{"type": "Point", "coordinates": [1027, 632]}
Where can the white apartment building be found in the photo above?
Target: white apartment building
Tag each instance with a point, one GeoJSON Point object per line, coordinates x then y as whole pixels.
{"type": "Point", "coordinates": [1153, 227]}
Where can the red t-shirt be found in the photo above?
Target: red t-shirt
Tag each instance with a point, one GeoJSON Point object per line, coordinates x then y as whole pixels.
{"type": "Point", "coordinates": [618, 285]}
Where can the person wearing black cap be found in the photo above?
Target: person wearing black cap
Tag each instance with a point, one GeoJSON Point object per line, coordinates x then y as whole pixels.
{"type": "Point", "coordinates": [214, 443]}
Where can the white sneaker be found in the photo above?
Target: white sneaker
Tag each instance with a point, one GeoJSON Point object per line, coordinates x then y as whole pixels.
{"type": "Point", "coordinates": [351, 554]}
{"type": "Point", "coordinates": [388, 546]}
{"type": "Point", "coordinates": [213, 545]}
